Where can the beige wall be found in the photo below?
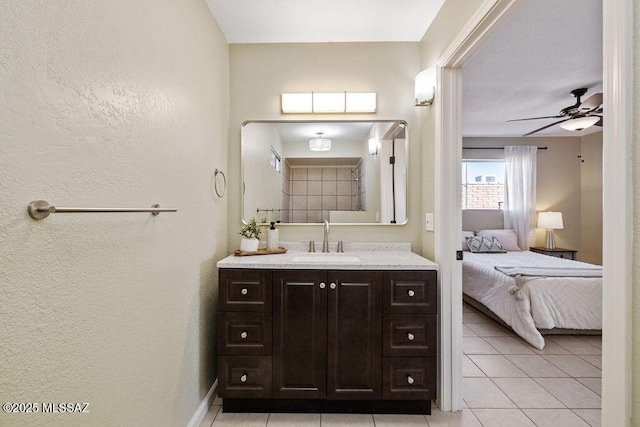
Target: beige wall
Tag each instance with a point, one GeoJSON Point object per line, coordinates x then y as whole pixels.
{"type": "Point", "coordinates": [111, 104]}
{"type": "Point", "coordinates": [450, 20]}
{"type": "Point", "coordinates": [564, 184]}
{"type": "Point", "coordinates": [261, 72]}
{"type": "Point", "coordinates": [591, 199]}
{"type": "Point", "coordinates": [636, 217]}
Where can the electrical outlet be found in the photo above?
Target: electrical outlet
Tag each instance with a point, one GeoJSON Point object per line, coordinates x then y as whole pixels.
{"type": "Point", "coordinates": [428, 222]}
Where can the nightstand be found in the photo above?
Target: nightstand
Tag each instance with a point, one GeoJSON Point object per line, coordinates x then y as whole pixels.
{"type": "Point", "coordinates": [557, 252]}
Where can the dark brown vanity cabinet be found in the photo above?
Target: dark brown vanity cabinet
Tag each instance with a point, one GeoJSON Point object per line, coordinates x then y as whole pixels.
{"type": "Point", "coordinates": [327, 336]}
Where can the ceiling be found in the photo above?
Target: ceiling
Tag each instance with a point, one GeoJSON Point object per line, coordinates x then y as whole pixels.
{"type": "Point", "coordinates": [303, 21]}
{"type": "Point", "coordinates": [528, 69]}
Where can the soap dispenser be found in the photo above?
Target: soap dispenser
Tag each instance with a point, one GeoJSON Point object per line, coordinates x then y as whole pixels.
{"type": "Point", "coordinates": [272, 238]}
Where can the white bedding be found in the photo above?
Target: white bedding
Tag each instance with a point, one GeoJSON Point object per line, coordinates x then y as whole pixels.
{"type": "Point", "coordinates": [545, 303]}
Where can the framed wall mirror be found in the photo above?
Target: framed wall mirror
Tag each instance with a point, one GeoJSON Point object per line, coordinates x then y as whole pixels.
{"type": "Point", "coordinates": [301, 172]}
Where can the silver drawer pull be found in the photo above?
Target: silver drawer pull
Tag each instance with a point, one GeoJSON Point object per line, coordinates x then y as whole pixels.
{"type": "Point", "coordinates": [410, 292]}
{"type": "Point", "coordinates": [409, 379]}
{"type": "Point", "coordinates": [243, 335]}
{"type": "Point", "coordinates": [332, 285]}
{"type": "Point", "coordinates": [410, 336]}
{"type": "Point", "coordinates": [243, 378]}
{"type": "Point", "coordinates": [244, 291]}
{"type": "Point", "coordinates": [322, 285]}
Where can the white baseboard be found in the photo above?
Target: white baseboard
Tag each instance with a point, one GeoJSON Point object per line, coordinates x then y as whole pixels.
{"type": "Point", "coordinates": [202, 410]}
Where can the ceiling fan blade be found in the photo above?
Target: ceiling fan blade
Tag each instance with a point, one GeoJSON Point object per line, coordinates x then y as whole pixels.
{"type": "Point", "coordinates": [592, 103]}
{"type": "Point", "coordinates": [534, 118]}
{"type": "Point", "coordinates": [599, 122]}
{"type": "Point", "coordinates": [545, 127]}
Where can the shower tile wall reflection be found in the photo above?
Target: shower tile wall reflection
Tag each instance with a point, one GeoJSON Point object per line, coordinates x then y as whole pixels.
{"type": "Point", "coordinates": [314, 191]}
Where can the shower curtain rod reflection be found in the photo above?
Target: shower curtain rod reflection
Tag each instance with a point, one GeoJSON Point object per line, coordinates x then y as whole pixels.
{"type": "Point", "coordinates": [40, 209]}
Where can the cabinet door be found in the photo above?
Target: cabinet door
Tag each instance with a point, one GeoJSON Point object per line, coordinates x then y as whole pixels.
{"type": "Point", "coordinates": [355, 335]}
{"type": "Point", "coordinates": [299, 334]}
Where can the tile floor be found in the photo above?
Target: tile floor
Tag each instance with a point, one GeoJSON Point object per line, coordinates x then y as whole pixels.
{"type": "Point", "coordinates": [507, 383]}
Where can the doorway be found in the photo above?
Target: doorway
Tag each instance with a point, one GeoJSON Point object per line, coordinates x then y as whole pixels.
{"type": "Point", "coordinates": [616, 211]}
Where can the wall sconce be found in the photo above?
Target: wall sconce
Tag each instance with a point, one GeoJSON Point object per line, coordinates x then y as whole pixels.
{"type": "Point", "coordinates": [425, 87]}
{"type": "Point", "coordinates": [551, 221]}
{"type": "Point", "coordinates": [373, 146]}
{"type": "Point", "coordinates": [330, 102]}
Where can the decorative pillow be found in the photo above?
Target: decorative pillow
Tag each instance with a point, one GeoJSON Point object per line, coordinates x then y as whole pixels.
{"type": "Point", "coordinates": [480, 244]}
{"type": "Point", "coordinates": [508, 238]}
{"type": "Point", "coordinates": [466, 234]}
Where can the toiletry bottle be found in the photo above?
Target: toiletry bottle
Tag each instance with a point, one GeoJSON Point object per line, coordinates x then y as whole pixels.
{"type": "Point", "coordinates": [272, 238]}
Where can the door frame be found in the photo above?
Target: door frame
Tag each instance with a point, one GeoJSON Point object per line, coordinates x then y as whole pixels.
{"type": "Point", "coordinates": [617, 200]}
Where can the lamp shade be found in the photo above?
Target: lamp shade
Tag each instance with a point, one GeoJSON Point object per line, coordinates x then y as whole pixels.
{"type": "Point", "coordinates": [550, 220]}
{"type": "Point", "coordinates": [580, 123]}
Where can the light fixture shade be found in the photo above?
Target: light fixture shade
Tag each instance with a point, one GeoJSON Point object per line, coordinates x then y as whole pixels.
{"type": "Point", "coordinates": [550, 220]}
{"type": "Point", "coordinates": [361, 102]}
{"type": "Point", "coordinates": [320, 143]}
{"type": "Point", "coordinates": [425, 87]}
{"type": "Point", "coordinates": [297, 102]}
{"type": "Point", "coordinates": [580, 123]}
{"type": "Point", "coordinates": [373, 146]}
{"type": "Point", "coordinates": [329, 102]}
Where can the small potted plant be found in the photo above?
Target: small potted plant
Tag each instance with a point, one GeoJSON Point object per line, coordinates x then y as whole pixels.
{"type": "Point", "coordinates": [250, 233]}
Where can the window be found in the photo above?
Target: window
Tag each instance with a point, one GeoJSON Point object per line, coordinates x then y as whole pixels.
{"type": "Point", "coordinates": [482, 184]}
{"type": "Point", "coordinates": [276, 161]}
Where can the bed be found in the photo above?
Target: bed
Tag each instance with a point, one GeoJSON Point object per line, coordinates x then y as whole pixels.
{"type": "Point", "coordinates": [533, 293]}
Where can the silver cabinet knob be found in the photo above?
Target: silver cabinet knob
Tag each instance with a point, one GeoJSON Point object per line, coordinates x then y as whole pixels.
{"type": "Point", "coordinates": [409, 379]}
{"type": "Point", "coordinates": [243, 378]}
{"type": "Point", "coordinates": [332, 285]}
{"type": "Point", "coordinates": [410, 336]}
{"type": "Point", "coordinates": [244, 291]}
{"type": "Point", "coordinates": [410, 292]}
{"type": "Point", "coordinates": [322, 285]}
{"type": "Point", "coordinates": [243, 335]}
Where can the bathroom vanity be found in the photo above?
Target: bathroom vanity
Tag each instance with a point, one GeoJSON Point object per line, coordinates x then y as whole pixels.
{"type": "Point", "coordinates": [330, 332]}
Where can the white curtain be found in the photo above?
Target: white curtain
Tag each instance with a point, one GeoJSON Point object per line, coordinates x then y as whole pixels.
{"type": "Point", "coordinates": [520, 193]}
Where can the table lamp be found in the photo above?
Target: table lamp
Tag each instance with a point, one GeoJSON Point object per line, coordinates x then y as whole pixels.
{"type": "Point", "coordinates": [551, 221]}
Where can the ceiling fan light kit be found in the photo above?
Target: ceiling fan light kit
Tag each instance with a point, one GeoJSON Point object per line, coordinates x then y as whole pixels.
{"type": "Point", "coordinates": [580, 123]}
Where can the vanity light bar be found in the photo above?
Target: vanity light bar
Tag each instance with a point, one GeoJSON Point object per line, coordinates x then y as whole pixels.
{"type": "Point", "coordinates": [329, 102]}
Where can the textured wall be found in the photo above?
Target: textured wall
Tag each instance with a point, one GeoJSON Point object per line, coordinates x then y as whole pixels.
{"type": "Point", "coordinates": [261, 72]}
{"type": "Point", "coordinates": [119, 103]}
{"type": "Point", "coordinates": [635, 383]}
{"type": "Point", "coordinates": [450, 20]}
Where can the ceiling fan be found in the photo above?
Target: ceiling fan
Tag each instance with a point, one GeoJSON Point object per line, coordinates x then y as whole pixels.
{"type": "Point", "coordinates": [578, 116]}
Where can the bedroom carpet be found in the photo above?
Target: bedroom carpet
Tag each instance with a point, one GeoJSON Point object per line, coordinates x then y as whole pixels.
{"type": "Point", "coordinates": [507, 383]}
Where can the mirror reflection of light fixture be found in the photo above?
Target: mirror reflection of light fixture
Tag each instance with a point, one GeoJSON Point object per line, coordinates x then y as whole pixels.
{"type": "Point", "coordinates": [551, 221]}
{"type": "Point", "coordinates": [425, 87]}
{"type": "Point", "coordinates": [330, 102]}
{"type": "Point", "coordinates": [373, 146]}
{"type": "Point", "coordinates": [320, 143]}
{"type": "Point", "coordinates": [580, 123]}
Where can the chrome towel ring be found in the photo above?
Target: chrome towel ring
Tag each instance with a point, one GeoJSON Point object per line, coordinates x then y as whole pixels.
{"type": "Point", "coordinates": [219, 192]}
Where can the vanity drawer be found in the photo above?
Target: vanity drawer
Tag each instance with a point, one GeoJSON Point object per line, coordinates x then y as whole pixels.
{"type": "Point", "coordinates": [409, 335]}
{"type": "Point", "coordinates": [244, 376]}
{"type": "Point", "coordinates": [410, 292]}
{"type": "Point", "coordinates": [409, 378]}
{"type": "Point", "coordinates": [244, 333]}
{"type": "Point", "coordinates": [245, 290]}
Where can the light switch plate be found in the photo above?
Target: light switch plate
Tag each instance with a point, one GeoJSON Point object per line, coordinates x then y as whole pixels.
{"type": "Point", "coordinates": [428, 222]}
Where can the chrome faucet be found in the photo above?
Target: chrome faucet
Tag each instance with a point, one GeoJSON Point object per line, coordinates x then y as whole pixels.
{"type": "Point", "coordinates": [325, 241]}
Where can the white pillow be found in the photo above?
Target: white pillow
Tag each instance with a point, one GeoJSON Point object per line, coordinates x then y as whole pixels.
{"type": "Point", "coordinates": [507, 238]}
{"type": "Point", "coordinates": [466, 234]}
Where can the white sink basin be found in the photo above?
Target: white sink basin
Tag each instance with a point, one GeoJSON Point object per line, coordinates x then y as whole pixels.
{"type": "Point", "coordinates": [326, 258]}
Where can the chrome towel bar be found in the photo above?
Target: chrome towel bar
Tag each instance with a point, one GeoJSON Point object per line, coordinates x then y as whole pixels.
{"type": "Point", "coordinates": [40, 209]}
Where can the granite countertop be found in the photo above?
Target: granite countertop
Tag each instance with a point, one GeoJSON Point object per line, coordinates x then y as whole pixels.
{"type": "Point", "coordinates": [356, 256]}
